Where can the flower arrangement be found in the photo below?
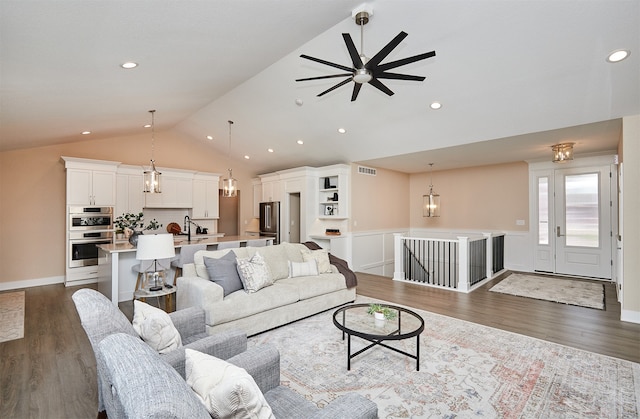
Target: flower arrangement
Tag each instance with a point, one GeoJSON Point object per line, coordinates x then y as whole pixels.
{"type": "Point", "coordinates": [386, 312]}
{"type": "Point", "coordinates": [128, 222]}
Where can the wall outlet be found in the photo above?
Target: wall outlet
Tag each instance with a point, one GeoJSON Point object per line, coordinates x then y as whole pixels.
{"type": "Point", "coordinates": [519, 222]}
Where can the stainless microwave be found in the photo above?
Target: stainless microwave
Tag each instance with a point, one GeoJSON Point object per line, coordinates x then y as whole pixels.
{"type": "Point", "coordinates": [90, 218]}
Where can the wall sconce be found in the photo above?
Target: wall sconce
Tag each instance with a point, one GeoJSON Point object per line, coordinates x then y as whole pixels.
{"type": "Point", "coordinates": [562, 152]}
{"type": "Point", "coordinates": [431, 202]}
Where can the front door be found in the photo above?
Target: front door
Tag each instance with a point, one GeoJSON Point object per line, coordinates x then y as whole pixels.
{"type": "Point", "coordinates": [583, 222]}
{"type": "Point", "coordinates": [574, 221]}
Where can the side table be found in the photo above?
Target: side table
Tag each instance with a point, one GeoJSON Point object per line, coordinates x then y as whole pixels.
{"type": "Point", "coordinates": [166, 292]}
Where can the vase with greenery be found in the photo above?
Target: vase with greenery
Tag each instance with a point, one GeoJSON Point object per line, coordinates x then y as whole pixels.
{"type": "Point", "coordinates": [381, 312]}
{"type": "Point", "coordinates": [133, 225]}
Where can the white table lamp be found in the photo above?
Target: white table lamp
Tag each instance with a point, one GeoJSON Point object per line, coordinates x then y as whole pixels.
{"type": "Point", "coordinates": [154, 247]}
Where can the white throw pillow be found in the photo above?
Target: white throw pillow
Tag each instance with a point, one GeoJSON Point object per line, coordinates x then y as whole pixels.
{"type": "Point", "coordinates": [309, 268]}
{"type": "Point", "coordinates": [254, 273]}
{"type": "Point", "coordinates": [321, 256]}
{"type": "Point", "coordinates": [227, 391]}
{"type": "Point", "coordinates": [155, 327]}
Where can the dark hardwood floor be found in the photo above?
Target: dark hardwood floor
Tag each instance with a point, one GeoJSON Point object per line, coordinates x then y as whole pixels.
{"type": "Point", "coordinates": [50, 373]}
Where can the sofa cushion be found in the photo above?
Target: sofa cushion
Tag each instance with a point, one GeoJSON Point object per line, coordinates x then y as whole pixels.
{"type": "Point", "coordinates": [224, 272]}
{"type": "Point", "coordinates": [226, 390]}
{"type": "Point", "coordinates": [308, 268]}
{"type": "Point", "coordinates": [276, 257]}
{"type": "Point", "coordinates": [321, 256]}
{"type": "Point", "coordinates": [254, 273]}
{"type": "Point", "coordinates": [241, 304]}
{"type": "Point", "coordinates": [312, 286]}
{"type": "Point", "coordinates": [155, 327]}
{"type": "Point", "coordinates": [198, 258]}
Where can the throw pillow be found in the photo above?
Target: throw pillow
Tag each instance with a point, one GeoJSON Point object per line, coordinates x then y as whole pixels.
{"type": "Point", "coordinates": [254, 273]}
{"type": "Point", "coordinates": [224, 272]}
{"type": "Point", "coordinates": [226, 390]}
{"type": "Point", "coordinates": [155, 327]}
{"type": "Point", "coordinates": [321, 256]}
{"type": "Point", "coordinates": [309, 268]}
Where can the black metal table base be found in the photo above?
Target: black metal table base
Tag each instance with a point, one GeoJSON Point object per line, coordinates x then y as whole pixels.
{"type": "Point", "coordinates": [375, 342]}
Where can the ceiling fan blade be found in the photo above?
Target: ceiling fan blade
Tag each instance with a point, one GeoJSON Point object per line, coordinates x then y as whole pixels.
{"type": "Point", "coordinates": [382, 54]}
{"type": "Point", "coordinates": [397, 76]}
{"type": "Point", "coordinates": [356, 90]}
{"type": "Point", "coordinates": [318, 60]}
{"type": "Point", "coordinates": [342, 83]}
{"type": "Point", "coordinates": [378, 85]}
{"type": "Point", "coordinates": [404, 61]}
{"type": "Point", "coordinates": [326, 77]}
{"type": "Point", "coordinates": [353, 52]}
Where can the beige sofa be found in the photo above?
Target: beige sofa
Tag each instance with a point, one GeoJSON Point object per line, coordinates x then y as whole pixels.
{"type": "Point", "coordinates": [287, 300]}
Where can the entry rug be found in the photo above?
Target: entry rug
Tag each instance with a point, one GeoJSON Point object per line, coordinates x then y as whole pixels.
{"type": "Point", "coordinates": [466, 370]}
{"type": "Point", "coordinates": [11, 316]}
{"type": "Point", "coordinates": [559, 290]}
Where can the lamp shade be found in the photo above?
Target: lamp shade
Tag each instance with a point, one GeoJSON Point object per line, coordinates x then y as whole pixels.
{"type": "Point", "coordinates": [155, 246]}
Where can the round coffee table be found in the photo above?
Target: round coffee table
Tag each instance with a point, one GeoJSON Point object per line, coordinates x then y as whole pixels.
{"type": "Point", "coordinates": [353, 319]}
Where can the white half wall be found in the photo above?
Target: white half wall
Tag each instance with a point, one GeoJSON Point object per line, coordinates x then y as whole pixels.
{"type": "Point", "coordinates": [372, 252]}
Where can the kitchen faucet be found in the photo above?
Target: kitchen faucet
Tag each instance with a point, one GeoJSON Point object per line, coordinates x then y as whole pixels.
{"type": "Point", "coordinates": [187, 226]}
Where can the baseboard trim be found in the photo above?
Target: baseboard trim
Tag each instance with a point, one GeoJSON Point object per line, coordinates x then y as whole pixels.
{"type": "Point", "coordinates": [630, 316]}
{"type": "Point", "coordinates": [28, 283]}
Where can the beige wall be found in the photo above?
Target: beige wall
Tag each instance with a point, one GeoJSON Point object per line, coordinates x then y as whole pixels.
{"type": "Point", "coordinates": [477, 198]}
{"type": "Point", "coordinates": [33, 184]}
{"type": "Point", "coordinates": [631, 209]}
{"type": "Point", "coordinates": [379, 202]}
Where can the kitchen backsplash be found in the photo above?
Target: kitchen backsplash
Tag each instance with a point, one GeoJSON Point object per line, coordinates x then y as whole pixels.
{"type": "Point", "coordinates": [175, 215]}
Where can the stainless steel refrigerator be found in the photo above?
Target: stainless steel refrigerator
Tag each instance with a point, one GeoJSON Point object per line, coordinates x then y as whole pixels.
{"type": "Point", "coordinates": [270, 220]}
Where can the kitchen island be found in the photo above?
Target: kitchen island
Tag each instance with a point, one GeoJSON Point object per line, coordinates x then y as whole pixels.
{"type": "Point", "coordinates": [116, 278]}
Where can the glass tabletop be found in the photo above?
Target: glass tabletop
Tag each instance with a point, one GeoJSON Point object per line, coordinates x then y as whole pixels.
{"type": "Point", "coordinates": [401, 324]}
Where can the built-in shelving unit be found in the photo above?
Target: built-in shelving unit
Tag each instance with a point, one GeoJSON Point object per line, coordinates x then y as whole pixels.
{"type": "Point", "coordinates": [329, 197]}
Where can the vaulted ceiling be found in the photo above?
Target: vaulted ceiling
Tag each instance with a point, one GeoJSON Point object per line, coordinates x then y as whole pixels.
{"type": "Point", "coordinates": [513, 77]}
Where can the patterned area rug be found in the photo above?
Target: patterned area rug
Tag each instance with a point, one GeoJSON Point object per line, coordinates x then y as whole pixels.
{"type": "Point", "coordinates": [11, 316]}
{"type": "Point", "coordinates": [466, 370]}
{"type": "Point", "coordinates": [559, 290]}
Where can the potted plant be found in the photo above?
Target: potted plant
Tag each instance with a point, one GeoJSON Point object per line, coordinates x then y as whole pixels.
{"type": "Point", "coordinates": [133, 225]}
{"type": "Point", "coordinates": [381, 312]}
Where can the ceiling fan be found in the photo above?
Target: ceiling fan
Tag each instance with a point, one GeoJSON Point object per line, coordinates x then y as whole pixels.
{"type": "Point", "coordinates": [367, 70]}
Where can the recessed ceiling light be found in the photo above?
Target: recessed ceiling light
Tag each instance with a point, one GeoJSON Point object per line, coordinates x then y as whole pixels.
{"type": "Point", "coordinates": [300, 142]}
{"type": "Point", "coordinates": [342, 130]}
{"type": "Point", "coordinates": [146, 126]}
{"type": "Point", "coordinates": [435, 105]}
{"type": "Point", "coordinates": [270, 150]}
{"type": "Point", "coordinates": [209, 137]}
{"type": "Point", "coordinates": [618, 55]}
{"type": "Point", "coordinates": [86, 132]}
{"type": "Point", "coordinates": [129, 65]}
{"type": "Point", "coordinates": [247, 157]}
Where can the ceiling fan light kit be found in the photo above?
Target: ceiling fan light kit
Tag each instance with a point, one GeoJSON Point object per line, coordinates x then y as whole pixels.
{"type": "Point", "coordinates": [366, 70]}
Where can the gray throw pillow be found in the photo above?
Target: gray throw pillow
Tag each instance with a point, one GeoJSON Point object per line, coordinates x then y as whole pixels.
{"type": "Point", "coordinates": [223, 271]}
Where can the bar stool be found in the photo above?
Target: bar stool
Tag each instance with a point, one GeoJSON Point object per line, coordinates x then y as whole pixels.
{"type": "Point", "coordinates": [257, 243]}
{"type": "Point", "coordinates": [186, 256]}
{"type": "Point", "coordinates": [228, 245]}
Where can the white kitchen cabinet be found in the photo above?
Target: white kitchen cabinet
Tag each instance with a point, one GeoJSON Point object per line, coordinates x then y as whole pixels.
{"type": "Point", "coordinates": [205, 196]}
{"type": "Point", "coordinates": [257, 197]}
{"type": "Point", "coordinates": [177, 192]}
{"type": "Point", "coordinates": [129, 194]}
{"type": "Point", "coordinates": [271, 191]}
{"type": "Point", "coordinates": [90, 183]}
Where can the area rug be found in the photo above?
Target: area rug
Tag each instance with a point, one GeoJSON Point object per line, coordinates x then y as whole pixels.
{"type": "Point", "coordinates": [559, 290]}
{"type": "Point", "coordinates": [11, 316]}
{"type": "Point", "coordinates": [466, 370]}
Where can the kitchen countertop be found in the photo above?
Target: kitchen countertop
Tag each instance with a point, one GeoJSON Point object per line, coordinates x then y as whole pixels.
{"type": "Point", "coordinates": [180, 241]}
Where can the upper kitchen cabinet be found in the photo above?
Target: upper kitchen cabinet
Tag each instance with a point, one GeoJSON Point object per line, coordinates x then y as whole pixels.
{"type": "Point", "coordinates": [205, 196]}
{"type": "Point", "coordinates": [129, 190]}
{"type": "Point", "coordinates": [271, 188]}
{"type": "Point", "coordinates": [90, 182]}
{"type": "Point", "coordinates": [176, 190]}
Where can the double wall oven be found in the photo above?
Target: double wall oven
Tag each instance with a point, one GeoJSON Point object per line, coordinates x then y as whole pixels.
{"type": "Point", "coordinates": [88, 227]}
